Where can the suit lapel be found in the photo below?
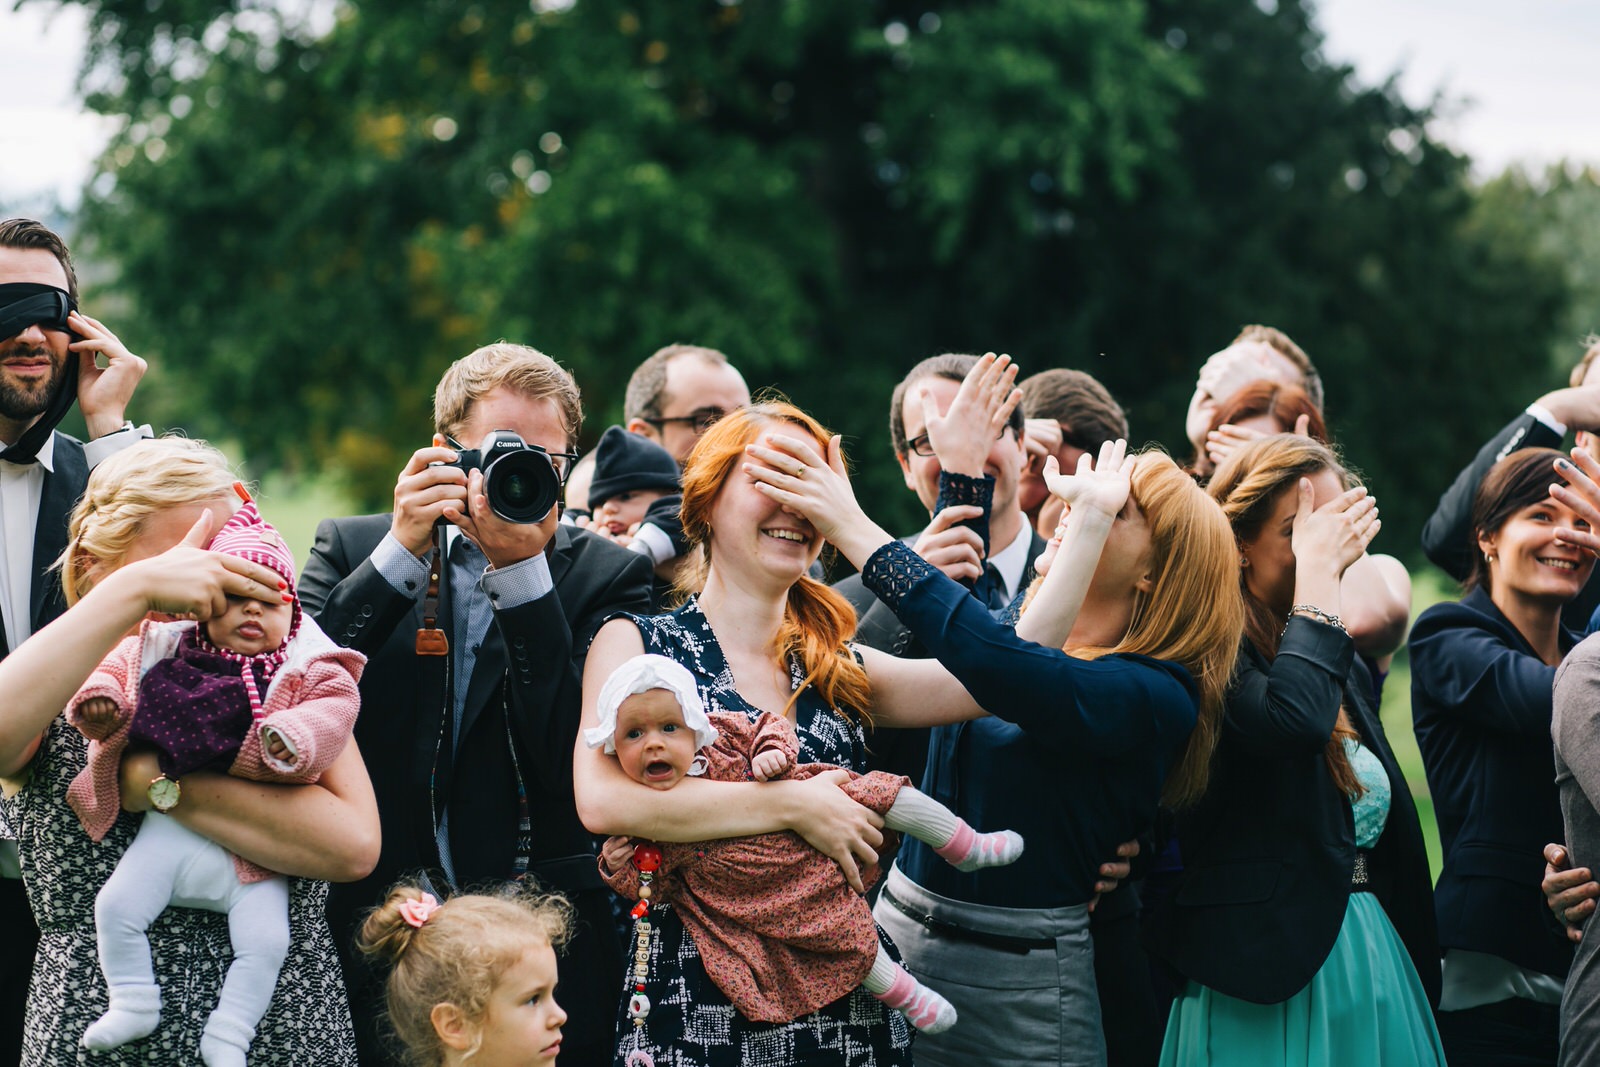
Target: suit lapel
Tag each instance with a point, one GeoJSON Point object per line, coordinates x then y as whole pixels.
{"type": "Point", "coordinates": [490, 668]}
{"type": "Point", "coordinates": [62, 488]}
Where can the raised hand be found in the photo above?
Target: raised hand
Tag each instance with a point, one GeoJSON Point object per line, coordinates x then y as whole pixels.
{"type": "Point", "coordinates": [425, 490]}
{"type": "Point", "coordinates": [103, 392]}
{"type": "Point", "coordinates": [1335, 534]}
{"type": "Point", "coordinates": [187, 580]}
{"type": "Point", "coordinates": [793, 473]}
{"type": "Point", "coordinates": [962, 437]}
{"type": "Point", "coordinates": [1101, 486]}
{"type": "Point", "coordinates": [1582, 495]}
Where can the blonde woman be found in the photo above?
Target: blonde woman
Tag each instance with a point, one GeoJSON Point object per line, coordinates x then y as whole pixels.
{"type": "Point", "coordinates": [136, 545]}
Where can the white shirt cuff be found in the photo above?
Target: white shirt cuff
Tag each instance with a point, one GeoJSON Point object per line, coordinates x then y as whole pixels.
{"type": "Point", "coordinates": [1541, 413]}
{"type": "Point", "coordinates": [652, 541]}
{"type": "Point", "coordinates": [519, 584]}
{"type": "Point", "coordinates": [407, 573]}
{"type": "Point", "coordinates": [103, 448]}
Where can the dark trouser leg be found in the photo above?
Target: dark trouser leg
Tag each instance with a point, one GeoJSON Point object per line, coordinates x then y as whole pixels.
{"type": "Point", "coordinates": [1510, 1033]}
{"type": "Point", "coordinates": [1122, 976]}
{"type": "Point", "coordinates": [17, 944]}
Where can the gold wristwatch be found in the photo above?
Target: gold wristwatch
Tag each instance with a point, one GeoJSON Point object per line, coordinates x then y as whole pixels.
{"type": "Point", "coordinates": [164, 793]}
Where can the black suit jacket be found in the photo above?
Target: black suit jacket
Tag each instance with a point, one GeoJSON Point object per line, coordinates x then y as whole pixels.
{"type": "Point", "coordinates": [1482, 701]}
{"type": "Point", "coordinates": [62, 489]}
{"type": "Point", "coordinates": [525, 692]}
{"type": "Point", "coordinates": [1447, 536]}
{"type": "Point", "coordinates": [1269, 850]}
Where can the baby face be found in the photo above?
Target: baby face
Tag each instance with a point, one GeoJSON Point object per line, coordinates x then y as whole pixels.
{"type": "Point", "coordinates": [250, 626]}
{"type": "Point", "coordinates": [653, 744]}
{"type": "Point", "coordinates": [619, 513]}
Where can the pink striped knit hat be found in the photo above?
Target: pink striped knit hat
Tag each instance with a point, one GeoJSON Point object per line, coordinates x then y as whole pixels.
{"type": "Point", "coordinates": [249, 536]}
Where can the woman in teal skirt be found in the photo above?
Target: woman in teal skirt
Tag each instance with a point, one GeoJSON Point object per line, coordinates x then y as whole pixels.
{"type": "Point", "coordinates": [1302, 926]}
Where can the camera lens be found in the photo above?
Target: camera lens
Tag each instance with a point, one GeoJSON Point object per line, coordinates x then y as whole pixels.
{"type": "Point", "coordinates": [521, 486]}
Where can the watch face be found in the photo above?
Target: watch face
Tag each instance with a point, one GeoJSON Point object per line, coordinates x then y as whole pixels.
{"type": "Point", "coordinates": [164, 794]}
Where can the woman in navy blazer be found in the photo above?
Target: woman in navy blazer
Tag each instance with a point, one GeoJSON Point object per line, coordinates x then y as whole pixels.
{"type": "Point", "coordinates": [1303, 919]}
{"type": "Point", "coordinates": [1481, 677]}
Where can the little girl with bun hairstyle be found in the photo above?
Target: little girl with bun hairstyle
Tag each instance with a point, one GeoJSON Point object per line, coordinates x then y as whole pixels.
{"type": "Point", "coordinates": [471, 980]}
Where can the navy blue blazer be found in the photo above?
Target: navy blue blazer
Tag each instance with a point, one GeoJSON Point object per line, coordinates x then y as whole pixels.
{"type": "Point", "coordinates": [1481, 703]}
{"type": "Point", "coordinates": [1269, 851]}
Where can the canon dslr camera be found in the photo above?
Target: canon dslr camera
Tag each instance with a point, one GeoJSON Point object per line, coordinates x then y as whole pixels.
{"type": "Point", "coordinates": [519, 479]}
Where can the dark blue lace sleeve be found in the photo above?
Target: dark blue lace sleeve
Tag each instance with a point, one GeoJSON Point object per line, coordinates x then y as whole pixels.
{"type": "Point", "coordinates": [892, 570]}
{"type": "Point", "coordinates": [979, 492]}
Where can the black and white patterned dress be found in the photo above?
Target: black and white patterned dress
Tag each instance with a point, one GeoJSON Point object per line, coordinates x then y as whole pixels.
{"type": "Point", "coordinates": [308, 1022]}
{"type": "Point", "coordinates": [691, 1022]}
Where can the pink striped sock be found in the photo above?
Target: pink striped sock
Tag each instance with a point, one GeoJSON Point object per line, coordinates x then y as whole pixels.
{"type": "Point", "coordinates": [922, 1007]}
{"type": "Point", "coordinates": [969, 850]}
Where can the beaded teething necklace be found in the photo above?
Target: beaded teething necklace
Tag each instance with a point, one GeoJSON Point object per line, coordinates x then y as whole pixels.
{"type": "Point", "coordinates": [647, 858]}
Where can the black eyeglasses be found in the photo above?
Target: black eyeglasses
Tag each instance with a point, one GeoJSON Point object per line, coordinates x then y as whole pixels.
{"type": "Point", "coordinates": [922, 447]}
{"type": "Point", "coordinates": [702, 419]}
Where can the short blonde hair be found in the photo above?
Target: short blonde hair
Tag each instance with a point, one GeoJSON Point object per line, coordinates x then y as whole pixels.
{"type": "Point", "coordinates": [125, 490]}
{"type": "Point", "coordinates": [523, 370]}
{"type": "Point", "coordinates": [457, 956]}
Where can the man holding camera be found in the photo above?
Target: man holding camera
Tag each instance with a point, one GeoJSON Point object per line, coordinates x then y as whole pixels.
{"type": "Point", "coordinates": [471, 697]}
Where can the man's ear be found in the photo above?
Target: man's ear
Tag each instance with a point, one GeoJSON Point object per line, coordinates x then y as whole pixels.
{"type": "Point", "coordinates": [451, 1024]}
{"type": "Point", "coordinates": [905, 471]}
{"type": "Point", "coordinates": [643, 429]}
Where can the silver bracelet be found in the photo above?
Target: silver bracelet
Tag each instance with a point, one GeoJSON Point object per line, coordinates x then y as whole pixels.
{"type": "Point", "coordinates": [1311, 611]}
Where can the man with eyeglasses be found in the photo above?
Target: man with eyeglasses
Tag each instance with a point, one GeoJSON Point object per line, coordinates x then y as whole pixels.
{"type": "Point", "coordinates": [997, 571]}
{"type": "Point", "coordinates": [676, 394]}
{"type": "Point", "coordinates": [472, 692]}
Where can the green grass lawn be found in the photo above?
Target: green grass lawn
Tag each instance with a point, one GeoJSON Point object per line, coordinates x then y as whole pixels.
{"type": "Point", "coordinates": [1429, 587]}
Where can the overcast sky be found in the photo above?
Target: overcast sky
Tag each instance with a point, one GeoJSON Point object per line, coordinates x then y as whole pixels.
{"type": "Point", "coordinates": [1519, 77]}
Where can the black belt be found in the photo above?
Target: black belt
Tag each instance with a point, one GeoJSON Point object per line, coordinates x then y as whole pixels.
{"type": "Point", "coordinates": [1003, 942]}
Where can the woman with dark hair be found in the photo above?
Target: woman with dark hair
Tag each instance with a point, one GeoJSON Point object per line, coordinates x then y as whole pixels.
{"type": "Point", "coordinates": [1482, 672]}
{"type": "Point", "coordinates": [1303, 919]}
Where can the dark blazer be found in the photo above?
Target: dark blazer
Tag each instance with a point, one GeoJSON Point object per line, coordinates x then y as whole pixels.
{"type": "Point", "coordinates": [1447, 536]}
{"type": "Point", "coordinates": [525, 691]}
{"type": "Point", "coordinates": [1481, 700]}
{"type": "Point", "coordinates": [1268, 852]}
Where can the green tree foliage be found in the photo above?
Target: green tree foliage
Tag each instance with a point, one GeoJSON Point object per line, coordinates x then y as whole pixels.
{"type": "Point", "coordinates": [1559, 211]}
{"type": "Point", "coordinates": [311, 221]}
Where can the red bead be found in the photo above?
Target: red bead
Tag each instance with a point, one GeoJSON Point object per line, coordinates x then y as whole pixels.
{"type": "Point", "coordinates": [646, 857]}
{"type": "Point", "coordinates": [639, 909]}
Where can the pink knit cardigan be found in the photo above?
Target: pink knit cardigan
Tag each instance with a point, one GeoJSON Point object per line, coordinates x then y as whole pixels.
{"type": "Point", "coordinates": [311, 702]}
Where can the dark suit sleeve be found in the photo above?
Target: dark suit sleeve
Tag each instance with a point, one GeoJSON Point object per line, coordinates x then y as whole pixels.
{"type": "Point", "coordinates": [547, 641]}
{"type": "Point", "coordinates": [1469, 671]}
{"type": "Point", "coordinates": [1447, 535]}
{"type": "Point", "coordinates": [1292, 706]}
{"type": "Point", "coordinates": [352, 602]}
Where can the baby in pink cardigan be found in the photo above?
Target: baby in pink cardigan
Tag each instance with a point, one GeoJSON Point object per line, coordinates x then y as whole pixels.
{"type": "Point", "coordinates": [258, 691]}
{"type": "Point", "coordinates": [778, 928]}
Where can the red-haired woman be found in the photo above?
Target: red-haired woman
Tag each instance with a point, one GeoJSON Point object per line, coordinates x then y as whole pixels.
{"type": "Point", "coordinates": [1107, 723]}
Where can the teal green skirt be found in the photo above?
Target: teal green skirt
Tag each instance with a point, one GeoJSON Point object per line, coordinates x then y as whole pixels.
{"type": "Point", "coordinates": [1365, 1006]}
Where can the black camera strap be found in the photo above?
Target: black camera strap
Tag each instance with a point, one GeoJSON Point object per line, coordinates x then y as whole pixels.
{"type": "Point", "coordinates": [431, 641]}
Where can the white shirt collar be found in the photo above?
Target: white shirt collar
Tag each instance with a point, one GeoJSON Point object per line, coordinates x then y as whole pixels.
{"type": "Point", "coordinates": [47, 453]}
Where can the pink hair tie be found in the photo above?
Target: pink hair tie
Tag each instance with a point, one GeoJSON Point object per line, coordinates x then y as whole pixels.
{"type": "Point", "coordinates": [417, 912]}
